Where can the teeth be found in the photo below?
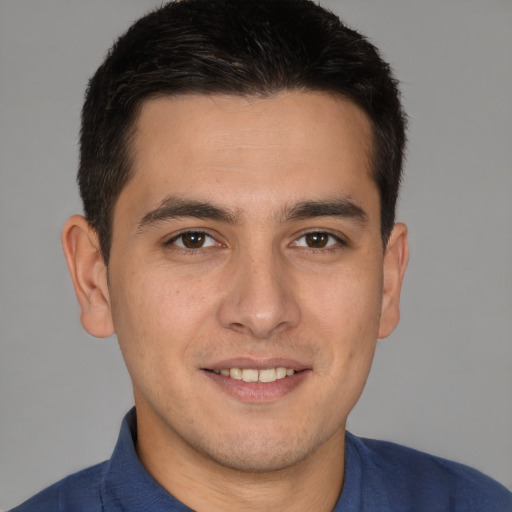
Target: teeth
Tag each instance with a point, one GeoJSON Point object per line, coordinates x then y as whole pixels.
{"type": "Point", "coordinates": [250, 375]}
{"type": "Point", "coordinates": [235, 373]}
{"type": "Point", "coordinates": [267, 375]}
{"type": "Point", "coordinates": [280, 373]}
{"type": "Point", "coordinates": [253, 375]}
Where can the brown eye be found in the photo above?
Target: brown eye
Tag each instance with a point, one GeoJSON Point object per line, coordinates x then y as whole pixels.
{"type": "Point", "coordinates": [317, 240]}
{"type": "Point", "coordinates": [193, 240]}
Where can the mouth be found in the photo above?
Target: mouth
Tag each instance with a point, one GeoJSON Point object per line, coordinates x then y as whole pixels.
{"type": "Point", "coordinates": [257, 382]}
{"type": "Point", "coordinates": [266, 375]}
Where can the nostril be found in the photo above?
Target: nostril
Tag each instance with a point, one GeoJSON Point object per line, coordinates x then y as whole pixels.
{"type": "Point", "coordinates": [238, 327]}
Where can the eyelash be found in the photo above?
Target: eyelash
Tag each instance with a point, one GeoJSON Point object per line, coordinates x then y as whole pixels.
{"type": "Point", "coordinates": [339, 241]}
{"type": "Point", "coordinates": [172, 240]}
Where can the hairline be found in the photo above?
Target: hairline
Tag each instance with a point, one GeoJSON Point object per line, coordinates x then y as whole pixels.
{"type": "Point", "coordinates": [127, 141]}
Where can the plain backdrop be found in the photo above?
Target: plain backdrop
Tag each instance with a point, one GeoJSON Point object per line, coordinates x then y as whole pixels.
{"type": "Point", "coordinates": [443, 381]}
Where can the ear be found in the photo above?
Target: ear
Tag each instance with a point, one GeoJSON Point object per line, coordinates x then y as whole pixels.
{"type": "Point", "coordinates": [89, 274]}
{"type": "Point", "coordinates": [395, 263]}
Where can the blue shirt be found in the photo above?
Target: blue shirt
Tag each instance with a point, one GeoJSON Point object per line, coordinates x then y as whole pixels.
{"type": "Point", "coordinates": [379, 477]}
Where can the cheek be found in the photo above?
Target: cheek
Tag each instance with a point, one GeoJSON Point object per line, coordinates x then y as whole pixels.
{"type": "Point", "coordinates": [345, 314]}
{"type": "Point", "coordinates": [156, 315]}
{"type": "Point", "coordinates": [347, 301]}
{"type": "Point", "coordinates": [148, 334]}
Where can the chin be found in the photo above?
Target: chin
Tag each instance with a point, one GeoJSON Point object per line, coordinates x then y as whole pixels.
{"type": "Point", "coordinates": [260, 453]}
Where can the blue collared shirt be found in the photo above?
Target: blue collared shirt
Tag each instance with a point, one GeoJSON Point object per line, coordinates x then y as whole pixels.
{"type": "Point", "coordinates": [379, 477]}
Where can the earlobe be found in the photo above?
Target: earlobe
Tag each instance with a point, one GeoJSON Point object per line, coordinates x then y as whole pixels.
{"type": "Point", "coordinates": [89, 276]}
{"type": "Point", "coordinates": [396, 258]}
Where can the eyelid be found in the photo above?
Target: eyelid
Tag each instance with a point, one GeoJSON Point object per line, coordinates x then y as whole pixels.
{"type": "Point", "coordinates": [338, 237]}
{"type": "Point", "coordinates": [169, 240]}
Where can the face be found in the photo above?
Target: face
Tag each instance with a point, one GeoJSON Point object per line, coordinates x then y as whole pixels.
{"type": "Point", "coordinates": [247, 279]}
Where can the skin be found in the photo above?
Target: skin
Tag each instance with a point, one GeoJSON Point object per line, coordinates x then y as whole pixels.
{"type": "Point", "coordinates": [259, 288]}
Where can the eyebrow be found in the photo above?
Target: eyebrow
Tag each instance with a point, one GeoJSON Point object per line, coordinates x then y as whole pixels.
{"type": "Point", "coordinates": [174, 207]}
{"type": "Point", "coordinates": [342, 208]}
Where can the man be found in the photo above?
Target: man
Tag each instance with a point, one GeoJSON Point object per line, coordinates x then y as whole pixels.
{"type": "Point", "coordinates": [240, 164]}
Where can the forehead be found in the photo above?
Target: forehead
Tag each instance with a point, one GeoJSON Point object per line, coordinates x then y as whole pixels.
{"type": "Point", "coordinates": [292, 146]}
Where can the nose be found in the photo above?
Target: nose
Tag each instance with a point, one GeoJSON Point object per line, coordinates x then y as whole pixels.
{"type": "Point", "coordinates": [259, 301]}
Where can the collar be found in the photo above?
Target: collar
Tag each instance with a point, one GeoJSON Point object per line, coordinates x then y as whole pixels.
{"type": "Point", "coordinates": [127, 485]}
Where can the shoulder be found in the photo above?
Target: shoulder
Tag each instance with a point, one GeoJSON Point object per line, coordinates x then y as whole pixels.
{"type": "Point", "coordinates": [411, 478]}
{"type": "Point", "coordinates": [80, 491]}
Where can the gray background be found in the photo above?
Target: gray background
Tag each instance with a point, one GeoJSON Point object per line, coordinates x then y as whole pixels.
{"type": "Point", "coordinates": [441, 383]}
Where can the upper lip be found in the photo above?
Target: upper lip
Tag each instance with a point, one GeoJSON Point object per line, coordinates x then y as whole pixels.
{"type": "Point", "coordinates": [257, 364]}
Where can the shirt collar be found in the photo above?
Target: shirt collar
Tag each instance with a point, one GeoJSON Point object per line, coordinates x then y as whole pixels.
{"type": "Point", "coordinates": [127, 485]}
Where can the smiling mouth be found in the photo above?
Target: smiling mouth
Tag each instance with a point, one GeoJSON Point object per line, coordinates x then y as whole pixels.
{"type": "Point", "coordinates": [255, 375]}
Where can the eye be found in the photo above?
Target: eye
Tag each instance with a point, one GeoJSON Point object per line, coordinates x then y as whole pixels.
{"type": "Point", "coordinates": [318, 240]}
{"type": "Point", "coordinates": [193, 240]}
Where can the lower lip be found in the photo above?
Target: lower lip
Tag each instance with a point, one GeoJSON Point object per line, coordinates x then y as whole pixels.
{"type": "Point", "coordinates": [258, 392]}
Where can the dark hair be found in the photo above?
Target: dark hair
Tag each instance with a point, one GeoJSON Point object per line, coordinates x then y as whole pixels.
{"type": "Point", "coordinates": [238, 47]}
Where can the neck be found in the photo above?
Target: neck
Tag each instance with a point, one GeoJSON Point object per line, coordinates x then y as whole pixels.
{"type": "Point", "coordinates": [202, 484]}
